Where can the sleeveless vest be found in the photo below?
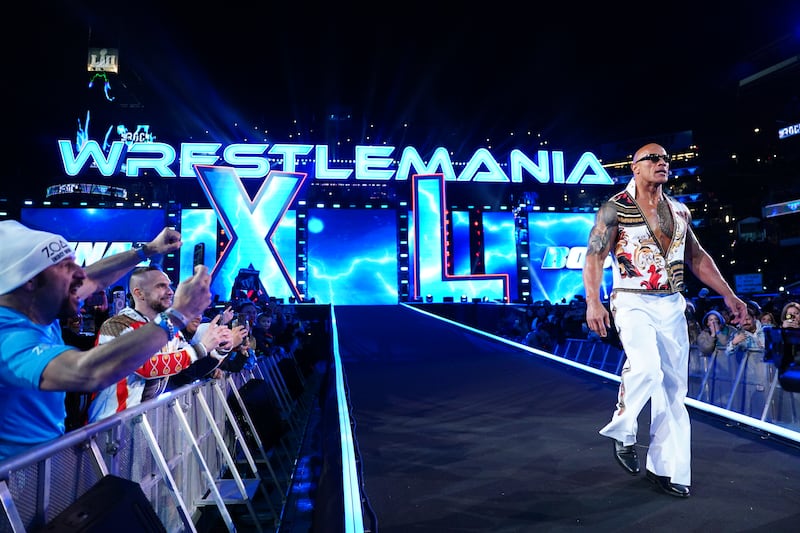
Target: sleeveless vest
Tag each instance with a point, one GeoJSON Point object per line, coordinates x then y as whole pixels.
{"type": "Point", "coordinates": [640, 263]}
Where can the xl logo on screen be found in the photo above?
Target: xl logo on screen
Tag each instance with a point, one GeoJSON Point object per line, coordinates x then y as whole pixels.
{"type": "Point", "coordinates": [370, 163]}
{"type": "Point", "coordinates": [249, 222]}
{"type": "Point", "coordinates": [558, 257]}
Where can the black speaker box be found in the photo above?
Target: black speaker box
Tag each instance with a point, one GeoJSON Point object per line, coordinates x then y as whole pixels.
{"type": "Point", "coordinates": [112, 504]}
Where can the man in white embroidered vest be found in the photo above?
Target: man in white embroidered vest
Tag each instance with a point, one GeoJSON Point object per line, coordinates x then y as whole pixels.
{"type": "Point", "coordinates": [152, 294]}
{"type": "Point", "coordinates": [650, 238]}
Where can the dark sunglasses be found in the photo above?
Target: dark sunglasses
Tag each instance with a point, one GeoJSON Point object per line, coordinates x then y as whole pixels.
{"type": "Point", "coordinates": [653, 158]}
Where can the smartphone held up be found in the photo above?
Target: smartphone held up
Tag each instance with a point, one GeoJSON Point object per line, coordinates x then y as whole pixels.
{"type": "Point", "coordinates": [199, 254]}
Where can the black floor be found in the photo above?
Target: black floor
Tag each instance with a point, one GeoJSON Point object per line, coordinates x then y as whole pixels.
{"type": "Point", "coordinates": [460, 433]}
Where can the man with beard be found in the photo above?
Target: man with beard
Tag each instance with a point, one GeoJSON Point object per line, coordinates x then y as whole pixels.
{"type": "Point", "coordinates": [152, 294]}
{"type": "Point", "coordinates": [40, 282]}
{"type": "Point", "coordinates": [750, 335]}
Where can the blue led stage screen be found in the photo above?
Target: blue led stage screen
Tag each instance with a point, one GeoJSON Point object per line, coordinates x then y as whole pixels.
{"type": "Point", "coordinates": [251, 221]}
{"type": "Point", "coordinates": [460, 231]}
{"type": "Point", "coordinates": [500, 247]}
{"type": "Point", "coordinates": [352, 256]}
{"type": "Point", "coordinates": [557, 243]}
{"type": "Point", "coordinates": [200, 226]}
{"type": "Point", "coordinates": [96, 224]}
{"type": "Point", "coordinates": [97, 232]}
{"type": "Point", "coordinates": [430, 255]}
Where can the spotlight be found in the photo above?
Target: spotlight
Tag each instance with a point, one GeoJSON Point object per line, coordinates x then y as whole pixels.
{"type": "Point", "coordinates": [463, 298]}
{"type": "Point", "coordinates": [429, 298]}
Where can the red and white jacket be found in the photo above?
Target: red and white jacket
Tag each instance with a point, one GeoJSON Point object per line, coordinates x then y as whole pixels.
{"type": "Point", "coordinates": [175, 356]}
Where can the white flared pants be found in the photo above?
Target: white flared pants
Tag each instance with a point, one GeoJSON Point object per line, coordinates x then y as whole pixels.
{"type": "Point", "coordinates": [654, 335]}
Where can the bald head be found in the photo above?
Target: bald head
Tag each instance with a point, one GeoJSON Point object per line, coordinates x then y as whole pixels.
{"type": "Point", "coordinates": [646, 150]}
{"type": "Point", "coordinates": [650, 168]}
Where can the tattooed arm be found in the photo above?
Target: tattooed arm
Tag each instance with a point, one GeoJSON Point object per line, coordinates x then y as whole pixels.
{"type": "Point", "coordinates": [705, 269]}
{"type": "Point", "coordinates": [602, 239]}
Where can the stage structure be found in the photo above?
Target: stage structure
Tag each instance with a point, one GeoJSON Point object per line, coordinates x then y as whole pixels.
{"type": "Point", "coordinates": [410, 251]}
{"type": "Point", "coordinates": [408, 245]}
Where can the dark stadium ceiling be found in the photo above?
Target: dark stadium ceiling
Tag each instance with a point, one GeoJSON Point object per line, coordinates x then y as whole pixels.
{"type": "Point", "coordinates": [456, 76]}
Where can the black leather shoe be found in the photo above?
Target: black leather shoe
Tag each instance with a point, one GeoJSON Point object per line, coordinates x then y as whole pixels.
{"type": "Point", "coordinates": [626, 457]}
{"type": "Point", "coordinates": [664, 485]}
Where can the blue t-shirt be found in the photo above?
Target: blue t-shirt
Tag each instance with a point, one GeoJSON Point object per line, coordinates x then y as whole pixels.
{"type": "Point", "coordinates": [28, 416]}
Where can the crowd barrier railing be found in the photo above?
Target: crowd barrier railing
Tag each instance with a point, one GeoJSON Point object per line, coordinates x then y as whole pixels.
{"type": "Point", "coordinates": [741, 383]}
{"type": "Point", "coordinates": [185, 450]}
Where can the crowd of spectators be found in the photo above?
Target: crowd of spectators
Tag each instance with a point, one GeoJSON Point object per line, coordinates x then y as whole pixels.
{"type": "Point", "coordinates": [269, 328]}
{"type": "Point", "coordinates": [544, 324]}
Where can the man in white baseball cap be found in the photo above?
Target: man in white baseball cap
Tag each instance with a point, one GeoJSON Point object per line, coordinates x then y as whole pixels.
{"type": "Point", "coordinates": [28, 252]}
{"type": "Point", "coordinates": [40, 282]}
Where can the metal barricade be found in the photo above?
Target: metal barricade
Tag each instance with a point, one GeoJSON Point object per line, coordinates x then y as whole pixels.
{"type": "Point", "coordinates": [740, 383]}
{"type": "Point", "coordinates": [179, 448]}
